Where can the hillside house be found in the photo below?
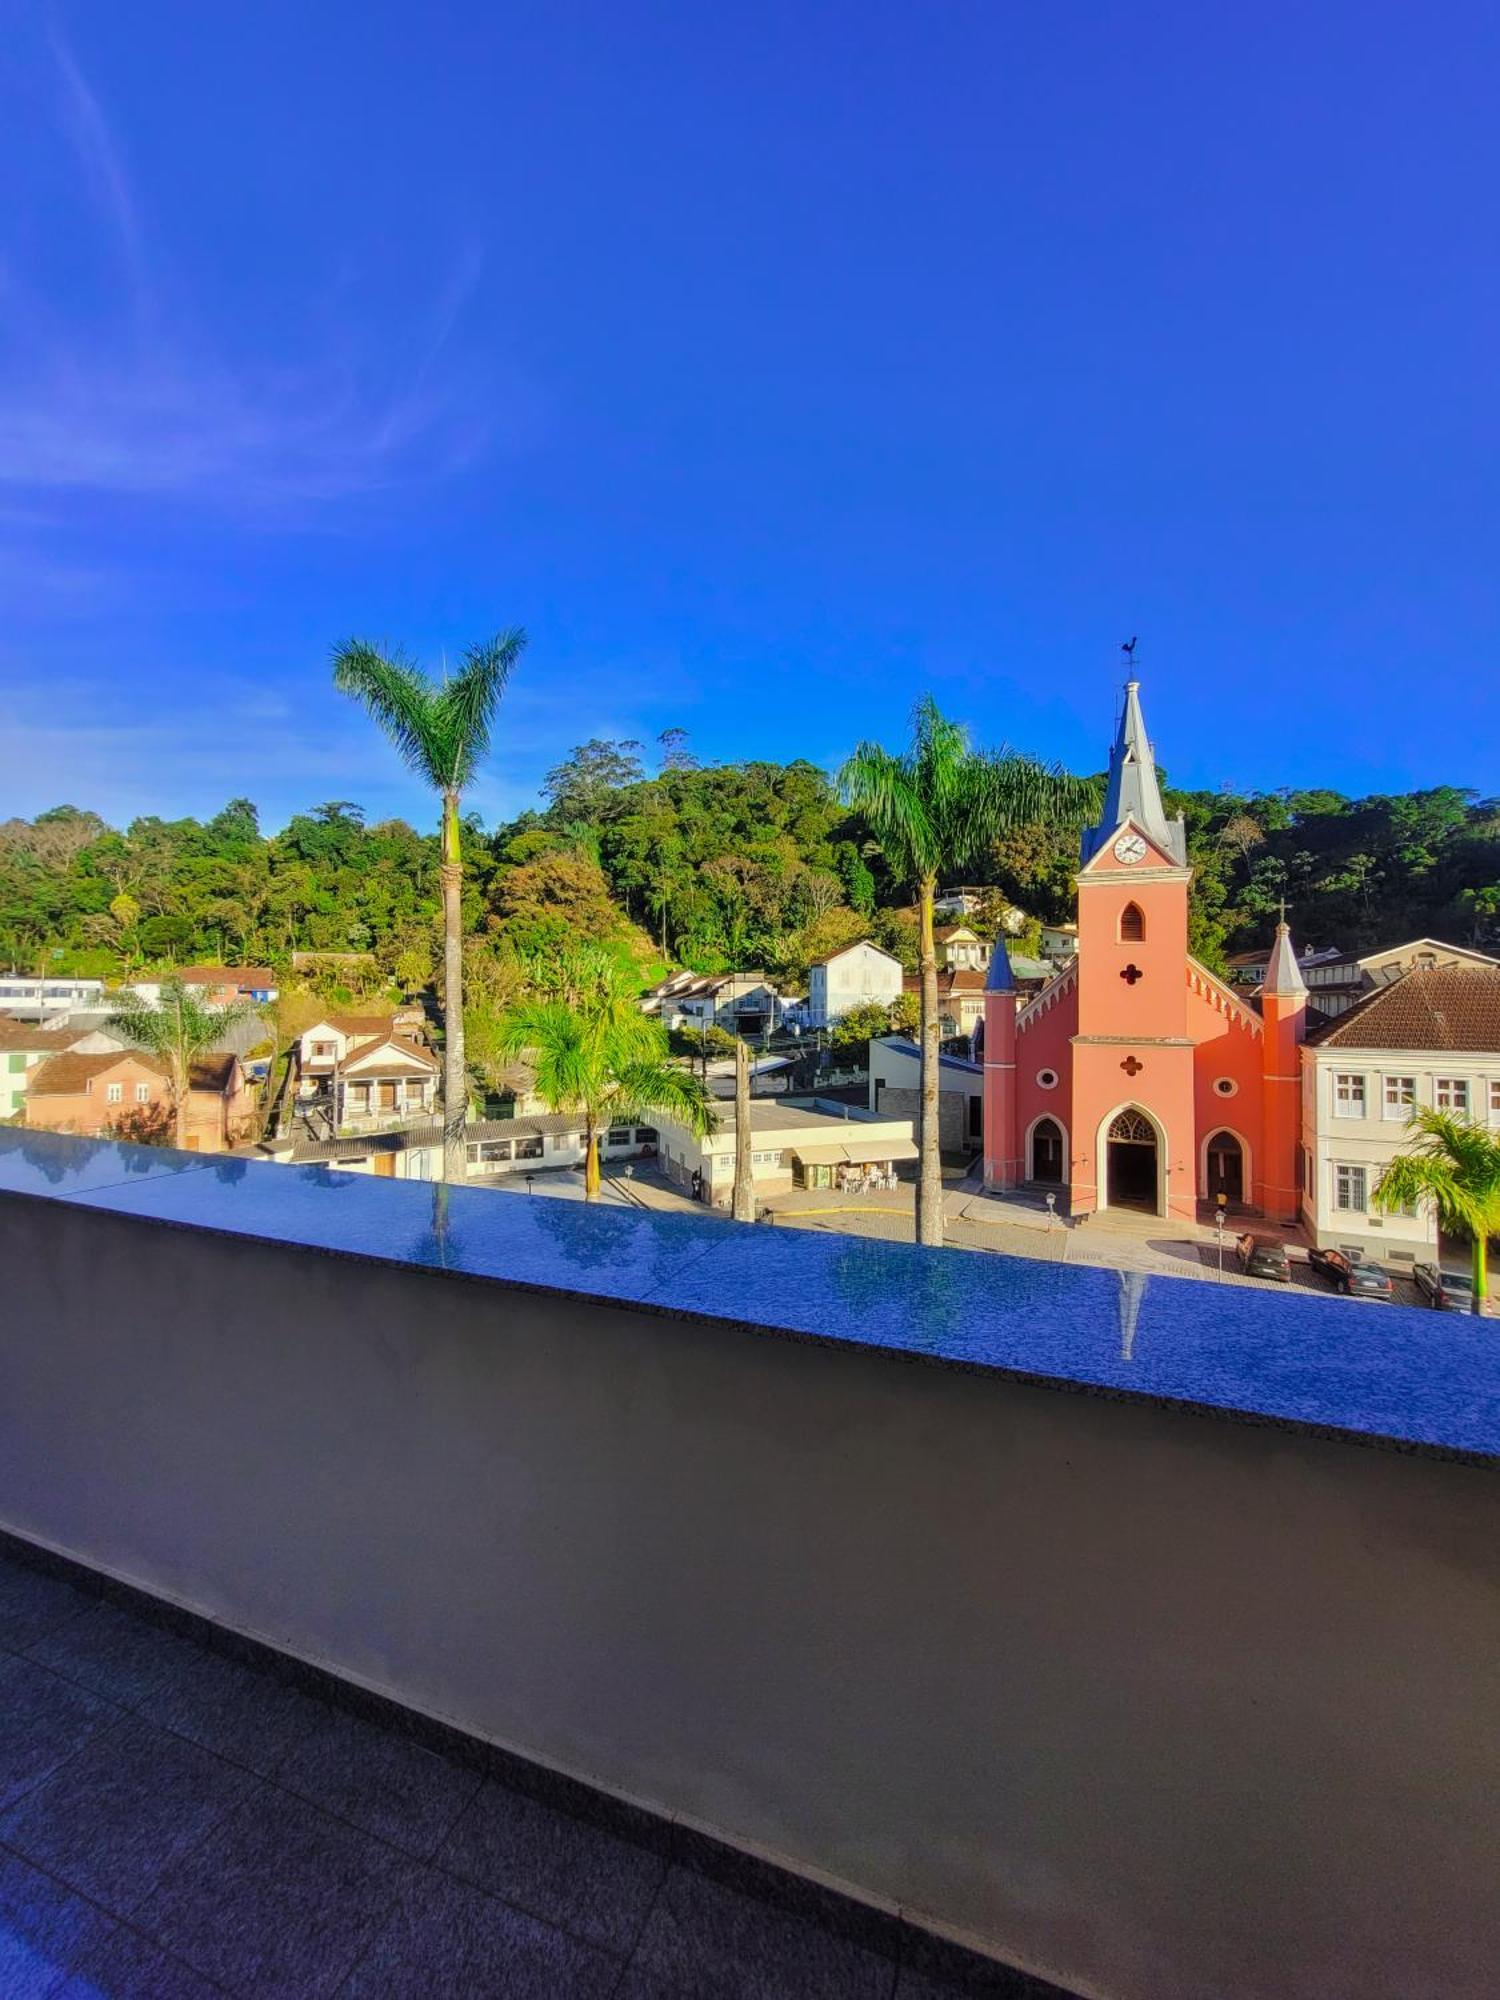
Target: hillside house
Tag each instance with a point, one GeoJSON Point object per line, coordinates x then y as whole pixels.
{"type": "Point", "coordinates": [861, 975]}
{"type": "Point", "coordinates": [125, 1094]}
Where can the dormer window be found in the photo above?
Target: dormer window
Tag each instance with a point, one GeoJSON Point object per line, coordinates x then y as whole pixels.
{"type": "Point", "coordinates": [1132, 924]}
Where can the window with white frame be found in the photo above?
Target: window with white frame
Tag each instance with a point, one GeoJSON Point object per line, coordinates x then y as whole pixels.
{"type": "Point", "coordinates": [1349, 1188]}
{"type": "Point", "coordinates": [143, 1093]}
{"type": "Point", "coordinates": [1348, 1094]}
{"type": "Point", "coordinates": [1400, 1096]}
{"type": "Point", "coordinates": [114, 1093]}
{"type": "Point", "coordinates": [1452, 1094]}
{"type": "Point", "coordinates": [1495, 1097]}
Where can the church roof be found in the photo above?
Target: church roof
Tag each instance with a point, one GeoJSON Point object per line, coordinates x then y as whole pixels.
{"type": "Point", "coordinates": [1133, 792]}
{"type": "Point", "coordinates": [1001, 979]}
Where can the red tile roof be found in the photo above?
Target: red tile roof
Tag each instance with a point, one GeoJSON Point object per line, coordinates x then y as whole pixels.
{"type": "Point", "coordinates": [1444, 1007]}
{"type": "Point", "coordinates": [67, 1075]}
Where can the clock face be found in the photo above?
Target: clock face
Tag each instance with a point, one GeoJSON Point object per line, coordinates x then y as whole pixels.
{"type": "Point", "coordinates": [1130, 847]}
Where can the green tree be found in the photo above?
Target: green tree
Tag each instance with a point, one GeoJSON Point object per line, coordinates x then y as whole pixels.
{"type": "Point", "coordinates": [178, 1030]}
{"type": "Point", "coordinates": [597, 1056]}
{"type": "Point", "coordinates": [860, 1025]}
{"type": "Point", "coordinates": [441, 730]}
{"type": "Point", "coordinates": [1452, 1165]}
{"type": "Point", "coordinates": [938, 806]}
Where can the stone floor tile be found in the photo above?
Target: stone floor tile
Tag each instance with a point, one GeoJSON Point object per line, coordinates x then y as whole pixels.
{"type": "Point", "coordinates": [556, 1867]}
{"type": "Point", "coordinates": [240, 1712]}
{"type": "Point", "coordinates": [111, 1819]}
{"type": "Point", "coordinates": [44, 1929]}
{"type": "Point", "coordinates": [381, 1781]}
{"type": "Point", "coordinates": [278, 1900]}
{"type": "Point", "coordinates": [126, 1966]}
{"type": "Point", "coordinates": [33, 1604]}
{"type": "Point", "coordinates": [451, 1940]}
{"type": "Point", "coordinates": [112, 1652]}
{"type": "Point", "coordinates": [43, 1721]}
{"type": "Point", "coordinates": [703, 1941]}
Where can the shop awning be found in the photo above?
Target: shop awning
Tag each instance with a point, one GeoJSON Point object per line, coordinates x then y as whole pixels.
{"type": "Point", "coordinates": [857, 1153]}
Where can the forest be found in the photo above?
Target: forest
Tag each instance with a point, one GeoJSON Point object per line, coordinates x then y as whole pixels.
{"type": "Point", "coordinates": [708, 866]}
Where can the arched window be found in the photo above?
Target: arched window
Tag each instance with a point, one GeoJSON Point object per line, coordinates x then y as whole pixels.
{"type": "Point", "coordinates": [1132, 924]}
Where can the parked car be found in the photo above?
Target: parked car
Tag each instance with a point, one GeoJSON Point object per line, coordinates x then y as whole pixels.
{"type": "Point", "coordinates": [1351, 1273]}
{"type": "Point", "coordinates": [1263, 1257]}
{"type": "Point", "coordinates": [1448, 1291]}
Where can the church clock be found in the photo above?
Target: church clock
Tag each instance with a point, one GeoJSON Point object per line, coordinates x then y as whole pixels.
{"type": "Point", "coordinates": [1130, 847]}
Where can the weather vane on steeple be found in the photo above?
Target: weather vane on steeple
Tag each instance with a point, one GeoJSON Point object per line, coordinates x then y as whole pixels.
{"type": "Point", "coordinates": [1128, 649]}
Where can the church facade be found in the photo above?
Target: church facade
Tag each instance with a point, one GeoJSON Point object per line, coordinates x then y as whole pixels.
{"type": "Point", "coordinates": [1137, 1078]}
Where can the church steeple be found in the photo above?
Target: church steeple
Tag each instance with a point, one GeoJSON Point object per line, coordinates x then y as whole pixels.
{"type": "Point", "coordinates": [1133, 792]}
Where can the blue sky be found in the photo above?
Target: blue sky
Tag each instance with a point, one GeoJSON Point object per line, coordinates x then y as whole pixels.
{"type": "Point", "coordinates": [770, 364]}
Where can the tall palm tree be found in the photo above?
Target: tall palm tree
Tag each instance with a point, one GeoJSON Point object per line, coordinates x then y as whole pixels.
{"type": "Point", "coordinates": [1453, 1165]}
{"type": "Point", "coordinates": [742, 1200]}
{"type": "Point", "coordinates": [178, 1031]}
{"type": "Point", "coordinates": [441, 729]}
{"type": "Point", "coordinates": [939, 806]}
{"type": "Point", "coordinates": [596, 1055]}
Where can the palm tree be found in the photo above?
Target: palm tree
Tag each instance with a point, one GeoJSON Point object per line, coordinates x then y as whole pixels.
{"type": "Point", "coordinates": [742, 1201]}
{"type": "Point", "coordinates": [1453, 1165]}
{"type": "Point", "coordinates": [441, 729]}
{"type": "Point", "coordinates": [595, 1054]}
{"type": "Point", "coordinates": [177, 1031]}
{"type": "Point", "coordinates": [939, 806]}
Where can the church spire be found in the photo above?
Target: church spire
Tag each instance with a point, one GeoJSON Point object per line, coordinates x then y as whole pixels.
{"type": "Point", "coordinates": [1283, 980]}
{"type": "Point", "coordinates": [1133, 792]}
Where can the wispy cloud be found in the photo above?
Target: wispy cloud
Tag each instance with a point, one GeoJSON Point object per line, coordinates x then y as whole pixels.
{"type": "Point", "coordinates": [150, 404]}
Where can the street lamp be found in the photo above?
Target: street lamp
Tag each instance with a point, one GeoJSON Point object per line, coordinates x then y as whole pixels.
{"type": "Point", "coordinates": [1219, 1228]}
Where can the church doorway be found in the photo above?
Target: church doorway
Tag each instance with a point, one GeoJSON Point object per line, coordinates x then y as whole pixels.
{"type": "Point", "coordinates": [1047, 1152]}
{"type": "Point", "coordinates": [1226, 1169]}
{"type": "Point", "coordinates": [1132, 1162]}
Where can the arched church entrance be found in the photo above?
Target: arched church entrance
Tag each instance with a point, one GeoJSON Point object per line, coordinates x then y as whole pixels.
{"type": "Point", "coordinates": [1047, 1152]}
{"type": "Point", "coordinates": [1132, 1162]}
{"type": "Point", "coordinates": [1226, 1168]}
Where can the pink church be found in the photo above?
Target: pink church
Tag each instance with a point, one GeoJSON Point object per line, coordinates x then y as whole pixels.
{"type": "Point", "coordinates": [1136, 1078]}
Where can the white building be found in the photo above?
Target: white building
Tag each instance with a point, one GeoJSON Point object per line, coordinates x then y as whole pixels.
{"type": "Point", "coordinates": [824, 1144]}
{"type": "Point", "coordinates": [744, 1003]}
{"type": "Point", "coordinates": [861, 975]}
{"type": "Point", "coordinates": [1430, 1039]}
{"type": "Point", "coordinates": [41, 999]}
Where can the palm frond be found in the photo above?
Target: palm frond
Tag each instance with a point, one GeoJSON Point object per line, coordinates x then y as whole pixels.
{"type": "Point", "coordinates": [397, 697]}
{"type": "Point", "coordinates": [471, 697]}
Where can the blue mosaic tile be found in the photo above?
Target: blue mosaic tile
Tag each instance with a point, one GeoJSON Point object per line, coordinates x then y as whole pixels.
{"type": "Point", "coordinates": [47, 1163]}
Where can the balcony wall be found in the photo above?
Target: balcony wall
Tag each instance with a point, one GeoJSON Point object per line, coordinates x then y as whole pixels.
{"type": "Point", "coordinates": [1152, 1698]}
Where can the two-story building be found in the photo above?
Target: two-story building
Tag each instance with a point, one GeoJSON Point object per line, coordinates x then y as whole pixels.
{"type": "Point", "coordinates": [861, 975]}
{"type": "Point", "coordinates": [741, 1003]}
{"type": "Point", "coordinates": [366, 1071]}
{"type": "Point", "coordinates": [1430, 1039]}
{"type": "Point", "coordinates": [960, 949]}
{"type": "Point", "coordinates": [125, 1093]}
{"type": "Point", "coordinates": [217, 985]}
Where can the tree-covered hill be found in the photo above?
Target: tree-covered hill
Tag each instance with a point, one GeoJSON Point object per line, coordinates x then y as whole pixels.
{"type": "Point", "coordinates": [712, 867]}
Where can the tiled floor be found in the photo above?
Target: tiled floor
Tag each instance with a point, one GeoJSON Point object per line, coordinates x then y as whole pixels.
{"type": "Point", "coordinates": [175, 1825]}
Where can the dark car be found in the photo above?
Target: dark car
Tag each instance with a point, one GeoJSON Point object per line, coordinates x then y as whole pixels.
{"type": "Point", "coordinates": [1263, 1257]}
{"type": "Point", "coordinates": [1448, 1291]}
{"type": "Point", "coordinates": [1350, 1272]}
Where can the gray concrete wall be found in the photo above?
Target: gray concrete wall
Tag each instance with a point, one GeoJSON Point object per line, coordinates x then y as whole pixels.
{"type": "Point", "coordinates": [1158, 1704]}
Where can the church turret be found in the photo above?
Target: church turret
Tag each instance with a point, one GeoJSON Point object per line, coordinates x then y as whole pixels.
{"type": "Point", "coordinates": [1284, 1013]}
{"type": "Point", "coordinates": [1002, 1160]}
